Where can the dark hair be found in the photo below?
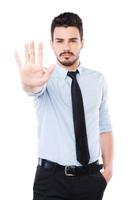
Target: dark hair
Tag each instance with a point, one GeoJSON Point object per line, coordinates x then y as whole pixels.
{"type": "Point", "coordinates": [65, 20]}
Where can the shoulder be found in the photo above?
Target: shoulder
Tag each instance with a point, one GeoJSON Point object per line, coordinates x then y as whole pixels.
{"type": "Point", "coordinates": [92, 73]}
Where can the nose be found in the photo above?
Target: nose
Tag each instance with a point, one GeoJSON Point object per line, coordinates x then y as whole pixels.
{"type": "Point", "coordinates": [66, 47]}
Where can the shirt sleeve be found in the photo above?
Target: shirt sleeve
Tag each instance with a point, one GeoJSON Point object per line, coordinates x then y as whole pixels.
{"type": "Point", "coordinates": [37, 94]}
{"type": "Point", "coordinates": [104, 117]}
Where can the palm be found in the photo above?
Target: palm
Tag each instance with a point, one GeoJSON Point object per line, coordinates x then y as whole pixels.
{"type": "Point", "coordinates": [33, 75]}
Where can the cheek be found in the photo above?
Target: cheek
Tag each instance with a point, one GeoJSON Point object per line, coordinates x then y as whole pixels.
{"type": "Point", "coordinates": [57, 51]}
{"type": "Point", "coordinates": [76, 48]}
{"type": "Point", "coordinates": [76, 51]}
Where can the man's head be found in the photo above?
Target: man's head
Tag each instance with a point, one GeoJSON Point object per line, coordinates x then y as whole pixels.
{"type": "Point", "coordinates": [67, 38]}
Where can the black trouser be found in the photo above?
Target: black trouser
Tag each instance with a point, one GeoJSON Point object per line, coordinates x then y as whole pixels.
{"type": "Point", "coordinates": [53, 184]}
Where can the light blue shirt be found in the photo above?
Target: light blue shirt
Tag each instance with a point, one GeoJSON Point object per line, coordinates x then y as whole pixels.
{"type": "Point", "coordinates": [55, 118]}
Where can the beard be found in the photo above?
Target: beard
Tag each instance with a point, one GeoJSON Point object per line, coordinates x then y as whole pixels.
{"type": "Point", "coordinates": [67, 62]}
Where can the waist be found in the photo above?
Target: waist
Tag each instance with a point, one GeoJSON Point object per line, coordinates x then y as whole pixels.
{"type": "Point", "coordinates": [71, 170]}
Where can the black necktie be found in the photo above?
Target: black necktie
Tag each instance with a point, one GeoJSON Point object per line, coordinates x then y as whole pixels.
{"type": "Point", "coordinates": [82, 151]}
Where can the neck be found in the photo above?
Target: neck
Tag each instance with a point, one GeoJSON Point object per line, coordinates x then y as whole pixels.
{"type": "Point", "coordinates": [72, 67]}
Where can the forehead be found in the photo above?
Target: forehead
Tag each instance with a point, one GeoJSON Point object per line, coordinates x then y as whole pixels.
{"type": "Point", "coordinates": [66, 32]}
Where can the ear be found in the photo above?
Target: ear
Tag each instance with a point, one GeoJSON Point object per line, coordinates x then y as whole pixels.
{"type": "Point", "coordinates": [51, 43]}
{"type": "Point", "coordinates": [82, 43]}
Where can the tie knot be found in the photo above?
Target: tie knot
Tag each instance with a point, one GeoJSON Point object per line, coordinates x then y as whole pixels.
{"type": "Point", "coordinates": [72, 74]}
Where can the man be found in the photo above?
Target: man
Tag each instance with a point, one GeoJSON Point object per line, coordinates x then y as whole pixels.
{"type": "Point", "coordinates": [73, 119]}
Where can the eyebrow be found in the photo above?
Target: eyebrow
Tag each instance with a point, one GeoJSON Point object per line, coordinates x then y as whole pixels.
{"type": "Point", "coordinates": [74, 38]}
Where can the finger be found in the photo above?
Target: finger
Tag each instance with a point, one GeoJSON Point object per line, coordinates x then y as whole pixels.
{"type": "Point", "coordinates": [44, 69]}
{"type": "Point", "coordinates": [27, 54]}
{"type": "Point", "coordinates": [46, 73]}
{"type": "Point", "coordinates": [17, 58]}
{"type": "Point", "coordinates": [32, 52]}
{"type": "Point", "coordinates": [40, 55]}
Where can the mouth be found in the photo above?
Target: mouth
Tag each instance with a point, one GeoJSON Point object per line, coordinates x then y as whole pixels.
{"type": "Point", "coordinates": [66, 54]}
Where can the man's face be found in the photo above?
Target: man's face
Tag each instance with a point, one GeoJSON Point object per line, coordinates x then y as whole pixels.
{"type": "Point", "coordinates": [67, 44]}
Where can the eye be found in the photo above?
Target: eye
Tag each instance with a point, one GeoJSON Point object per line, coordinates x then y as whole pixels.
{"type": "Point", "coordinates": [74, 40]}
{"type": "Point", "coordinates": [59, 41]}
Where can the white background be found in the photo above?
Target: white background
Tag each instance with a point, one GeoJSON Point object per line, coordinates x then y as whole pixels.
{"type": "Point", "coordinates": [109, 48]}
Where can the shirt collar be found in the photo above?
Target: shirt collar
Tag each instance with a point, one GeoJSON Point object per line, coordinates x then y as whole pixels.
{"type": "Point", "coordinates": [63, 72]}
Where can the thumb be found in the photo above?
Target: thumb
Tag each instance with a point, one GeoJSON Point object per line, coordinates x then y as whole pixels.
{"type": "Point", "coordinates": [50, 69]}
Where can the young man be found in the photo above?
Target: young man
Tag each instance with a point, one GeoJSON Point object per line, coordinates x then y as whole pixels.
{"type": "Point", "coordinates": [73, 119]}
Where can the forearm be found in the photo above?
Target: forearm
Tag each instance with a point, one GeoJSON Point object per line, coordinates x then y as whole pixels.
{"type": "Point", "coordinates": [107, 149]}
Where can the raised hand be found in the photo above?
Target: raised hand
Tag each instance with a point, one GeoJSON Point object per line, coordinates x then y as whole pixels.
{"type": "Point", "coordinates": [33, 75]}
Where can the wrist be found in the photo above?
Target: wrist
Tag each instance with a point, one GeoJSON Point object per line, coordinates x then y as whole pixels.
{"type": "Point", "coordinates": [31, 89]}
{"type": "Point", "coordinates": [109, 171]}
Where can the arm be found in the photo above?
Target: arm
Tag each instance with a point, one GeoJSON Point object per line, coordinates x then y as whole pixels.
{"type": "Point", "coordinates": [106, 136]}
{"type": "Point", "coordinates": [106, 143]}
